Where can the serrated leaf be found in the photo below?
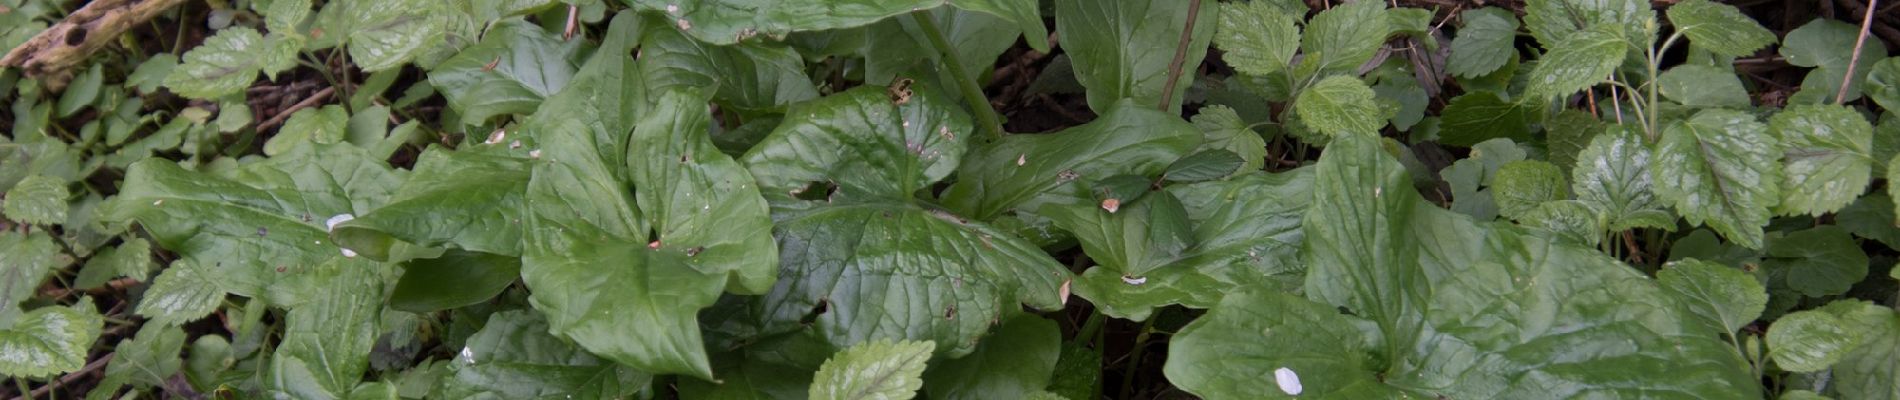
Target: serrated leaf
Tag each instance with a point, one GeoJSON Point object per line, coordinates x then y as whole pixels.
{"type": "Point", "coordinates": [1023, 171]}
{"type": "Point", "coordinates": [38, 200]}
{"type": "Point", "coordinates": [1566, 219]}
{"type": "Point", "coordinates": [1697, 85]}
{"type": "Point", "coordinates": [283, 16]}
{"type": "Point", "coordinates": [327, 340]}
{"type": "Point", "coordinates": [512, 70]}
{"type": "Point", "coordinates": [1723, 298]}
{"type": "Point", "coordinates": [1258, 37]}
{"type": "Point", "coordinates": [389, 33]}
{"type": "Point", "coordinates": [1342, 38]}
{"type": "Point", "coordinates": [876, 370]}
{"type": "Point", "coordinates": [1822, 261]}
{"type": "Point", "coordinates": [1581, 60]}
{"type": "Point", "coordinates": [1827, 157]}
{"type": "Point", "coordinates": [1566, 135]}
{"type": "Point", "coordinates": [470, 198]}
{"type": "Point", "coordinates": [1553, 21]}
{"type": "Point", "coordinates": [1719, 169]}
{"type": "Point", "coordinates": [1719, 28]}
{"type": "Point", "coordinates": [1469, 177]}
{"type": "Point", "coordinates": [1808, 341]}
{"type": "Point", "coordinates": [1868, 372]}
{"type": "Point", "coordinates": [327, 125]}
{"type": "Point", "coordinates": [133, 259]}
{"type": "Point", "coordinates": [1476, 117]}
{"type": "Point", "coordinates": [29, 258]}
{"type": "Point", "coordinates": [1521, 186]}
{"type": "Point", "coordinates": [1125, 49]}
{"type": "Point", "coordinates": [1484, 43]}
{"type": "Point", "coordinates": [184, 292]}
{"type": "Point", "coordinates": [457, 278]}
{"type": "Point", "coordinates": [1016, 360]}
{"type": "Point", "coordinates": [149, 358]}
{"type": "Point", "coordinates": [1340, 105]}
{"type": "Point", "coordinates": [1222, 128]}
{"type": "Point", "coordinates": [50, 340]}
{"type": "Point", "coordinates": [224, 64]}
{"type": "Point", "coordinates": [1612, 178]}
{"type": "Point", "coordinates": [514, 356]}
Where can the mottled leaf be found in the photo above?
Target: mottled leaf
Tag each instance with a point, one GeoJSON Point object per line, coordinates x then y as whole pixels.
{"type": "Point", "coordinates": [1718, 168]}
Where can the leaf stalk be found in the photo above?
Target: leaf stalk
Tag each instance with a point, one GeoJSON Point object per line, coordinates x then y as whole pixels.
{"type": "Point", "coordinates": [986, 117]}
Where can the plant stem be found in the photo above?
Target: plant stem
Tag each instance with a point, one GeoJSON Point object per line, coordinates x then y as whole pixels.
{"type": "Point", "coordinates": [1088, 330]}
{"type": "Point", "coordinates": [1655, 65]}
{"type": "Point", "coordinates": [24, 388]}
{"type": "Point", "coordinates": [1180, 55]}
{"type": "Point", "coordinates": [1866, 22]}
{"type": "Point", "coordinates": [986, 118]}
{"type": "Point", "coordinates": [1134, 356]}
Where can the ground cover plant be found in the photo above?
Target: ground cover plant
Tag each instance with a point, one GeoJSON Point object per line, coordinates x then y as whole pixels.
{"type": "Point", "coordinates": [949, 199]}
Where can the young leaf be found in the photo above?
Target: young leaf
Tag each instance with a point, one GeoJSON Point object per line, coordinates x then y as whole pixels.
{"type": "Point", "coordinates": [1013, 362]}
{"type": "Point", "coordinates": [327, 125]}
{"type": "Point", "coordinates": [513, 68]}
{"type": "Point", "coordinates": [327, 340]}
{"type": "Point", "coordinates": [38, 200]}
{"type": "Point", "coordinates": [1722, 297]}
{"type": "Point", "coordinates": [1258, 37]}
{"type": "Point", "coordinates": [1484, 43]}
{"type": "Point", "coordinates": [1222, 128]}
{"type": "Point", "coordinates": [1719, 28]}
{"type": "Point", "coordinates": [1127, 49]}
{"type": "Point", "coordinates": [1581, 60]}
{"type": "Point", "coordinates": [283, 16]}
{"type": "Point", "coordinates": [1718, 168]}
{"type": "Point", "coordinates": [1827, 161]}
{"type": "Point", "coordinates": [1828, 46]}
{"type": "Point", "coordinates": [149, 358]}
{"type": "Point", "coordinates": [875, 370]}
{"type": "Point", "coordinates": [1340, 105]}
{"type": "Point", "coordinates": [514, 356]}
{"type": "Point", "coordinates": [1611, 179]}
{"type": "Point", "coordinates": [130, 259]}
{"type": "Point", "coordinates": [1703, 86]}
{"type": "Point", "coordinates": [1521, 186]}
{"type": "Point", "coordinates": [224, 64]}
{"type": "Point", "coordinates": [1344, 37]}
{"type": "Point", "coordinates": [49, 340]}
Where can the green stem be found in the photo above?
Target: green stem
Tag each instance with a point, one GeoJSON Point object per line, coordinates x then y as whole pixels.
{"type": "Point", "coordinates": [1655, 65]}
{"type": "Point", "coordinates": [991, 125]}
{"type": "Point", "coordinates": [24, 389]}
{"type": "Point", "coordinates": [1088, 330]}
{"type": "Point", "coordinates": [1134, 357]}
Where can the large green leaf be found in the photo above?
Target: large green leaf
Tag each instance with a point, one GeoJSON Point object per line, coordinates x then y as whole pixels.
{"type": "Point", "coordinates": [1718, 168]}
{"type": "Point", "coordinates": [1721, 297]}
{"type": "Point", "coordinates": [327, 339]}
{"type": "Point", "coordinates": [456, 279]}
{"type": "Point", "coordinates": [1013, 173]}
{"type": "Point", "coordinates": [38, 200]}
{"type": "Point", "coordinates": [1828, 158]}
{"type": "Point", "coordinates": [1016, 360]}
{"type": "Point", "coordinates": [50, 340]}
{"type": "Point", "coordinates": [1869, 372]}
{"type": "Point", "coordinates": [1521, 186]}
{"type": "Point", "coordinates": [1344, 37]}
{"type": "Point", "coordinates": [1582, 59]}
{"type": "Point", "coordinates": [1441, 305]}
{"type": "Point", "coordinates": [1828, 46]}
{"type": "Point", "coordinates": [514, 357]}
{"type": "Point", "coordinates": [1719, 28]}
{"type": "Point", "coordinates": [471, 198]}
{"type": "Point", "coordinates": [724, 22]}
{"type": "Point", "coordinates": [1611, 179]}
{"type": "Point", "coordinates": [872, 144]}
{"type": "Point", "coordinates": [897, 48]}
{"type": "Point", "coordinates": [1258, 37]}
{"type": "Point", "coordinates": [747, 76]}
{"type": "Point", "coordinates": [1246, 233]}
{"type": "Point", "coordinates": [1484, 43]}
{"type": "Point", "coordinates": [1138, 236]}
{"type": "Point", "coordinates": [1812, 340]}
{"type": "Point", "coordinates": [878, 370]}
{"type": "Point", "coordinates": [1131, 49]}
{"type": "Point", "coordinates": [1822, 261]}
{"type": "Point", "coordinates": [258, 222]}
{"type": "Point", "coordinates": [513, 68]}
{"type": "Point", "coordinates": [1340, 105]}
{"type": "Point", "coordinates": [1553, 21]}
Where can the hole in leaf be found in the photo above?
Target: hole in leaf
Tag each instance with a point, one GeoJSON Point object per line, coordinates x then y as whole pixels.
{"type": "Point", "coordinates": [815, 190]}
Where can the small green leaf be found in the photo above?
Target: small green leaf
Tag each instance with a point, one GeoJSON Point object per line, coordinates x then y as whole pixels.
{"type": "Point", "coordinates": [1222, 128]}
{"type": "Point", "coordinates": [130, 259]}
{"type": "Point", "coordinates": [1017, 359]}
{"type": "Point", "coordinates": [225, 64]}
{"type": "Point", "coordinates": [1611, 179]}
{"type": "Point", "coordinates": [150, 358]}
{"type": "Point", "coordinates": [1719, 28]}
{"type": "Point", "coordinates": [1342, 38]}
{"type": "Point", "coordinates": [1520, 186]}
{"type": "Point", "coordinates": [1827, 157]}
{"type": "Point", "coordinates": [1822, 261]}
{"type": "Point", "coordinates": [80, 93]}
{"type": "Point", "coordinates": [1340, 105]}
{"type": "Point", "coordinates": [38, 200]}
{"type": "Point", "coordinates": [876, 370]}
{"type": "Point", "coordinates": [1718, 168]}
{"type": "Point", "coordinates": [1703, 86]}
{"type": "Point", "coordinates": [283, 16]}
{"type": "Point", "coordinates": [29, 258]}
{"type": "Point", "coordinates": [1258, 37]}
{"type": "Point", "coordinates": [388, 33]}
{"type": "Point", "coordinates": [1567, 133]}
{"type": "Point", "coordinates": [1828, 46]}
{"type": "Point", "coordinates": [1476, 117]}
{"type": "Point", "coordinates": [49, 340]}
{"type": "Point", "coordinates": [458, 278]}
{"type": "Point", "coordinates": [1808, 341]}
{"type": "Point", "coordinates": [1883, 83]}
{"type": "Point", "coordinates": [1723, 298]}
{"type": "Point", "coordinates": [1484, 43]}
{"type": "Point", "coordinates": [1871, 217]}
{"type": "Point", "coordinates": [1581, 60]}
{"type": "Point", "coordinates": [327, 125]}
{"type": "Point", "coordinates": [1126, 49]}
{"type": "Point", "coordinates": [327, 340]}
{"type": "Point", "coordinates": [184, 292]}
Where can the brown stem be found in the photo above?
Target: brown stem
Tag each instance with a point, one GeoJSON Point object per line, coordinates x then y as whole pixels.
{"type": "Point", "coordinates": [1866, 22]}
{"type": "Point", "coordinates": [1180, 55]}
{"type": "Point", "coordinates": [95, 365]}
{"type": "Point", "coordinates": [308, 102]}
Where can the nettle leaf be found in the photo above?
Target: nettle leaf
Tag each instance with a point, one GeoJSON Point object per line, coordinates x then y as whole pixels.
{"type": "Point", "coordinates": [133, 259]}
{"type": "Point", "coordinates": [1828, 46]}
{"type": "Point", "coordinates": [226, 63]}
{"type": "Point", "coordinates": [1476, 117]}
{"type": "Point", "coordinates": [874, 370]}
{"type": "Point", "coordinates": [1344, 37]}
{"type": "Point", "coordinates": [1868, 372]}
{"type": "Point", "coordinates": [1718, 168]}
{"type": "Point", "coordinates": [1581, 60]}
{"type": "Point", "coordinates": [186, 291]}
{"type": "Point", "coordinates": [250, 226]}
{"type": "Point", "coordinates": [38, 200]}
{"type": "Point", "coordinates": [512, 70]}
{"type": "Point", "coordinates": [149, 358]}
{"type": "Point", "coordinates": [1520, 186]}
{"type": "Point", "coordinates": [1426, 316]}
{"type": "Point", "coordinates": [1245, 232]}
{"type": "Point", "coordinates": [1827, 160]}
{"type": "Point", "coordinates": [1258, 37]}
{"type": "Point", "coordinates": [326, 125]}
{"type": "Point", "coordinates": [30, 257]}
{"type": "Point", "coordinates": [1723, 298]}
{"type": "Point", "coordinates": [1126, 49]}
{"type": "Point", "coordinates": [1612, 178]}
{"type": "Point", "coordinates": [49, 341]}
{"type": "Point", "coordinates": [471, 198]}
{"type": "Point", "coordinates": [1021, 172]}
{"type": "Point", "coordinates": [514, 356]}
{"type": "Point", "coordinates": [327, 339]}
{"type": "Point", "coordinates": [1719, 28]}
{"type": "Point", "coordinates": [285, 15]}
{"type": "Point", "coordinates": [1822, 261]}
{"type": "Point", "coordinates": [1015, 361]}
{"type": "Point", "coordinates": [1222, 128]}
{"type": "Point", "coordinates": [1484, 43]}
{"type": "Point", "coordinates": [1340, 105]}
{"type": "Point", "coordinates": [1703, 86]}
{"type": "Point", "coordinates": [386, 34]}
{"type": "Point", "coordinates": [1553, 21]}
{"type": "Point", "coordinates": [748, 76]}
{"type": "Point", "coordinates": [1814, 340]}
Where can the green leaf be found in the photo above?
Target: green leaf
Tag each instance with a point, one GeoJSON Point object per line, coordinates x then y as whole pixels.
{"type": "Point", "coordinates": [471, 199]}
{"type": "Point", "coordinates": [1520, 186]}
{"type": "Point", "coordinates": [1718, 168]}
{"type": "Point", "coordinates": [49, 341]}
{"type": "Point", "coordinates": [1828, 160]}
{"type": "Point", "coordinates": [38, 200]}
{"type": "Point", "coordinates": [1611, 178]}
{"type": "Point", "coordinates": [513, 68]}
{"type": "Point", "coordinates": [1721, 297]}
{"type": "Point", "coordinates": [1553, 21]}
{"type": "Point", "coordinates": [1013, 362]}
{"type": "Point", "coordinates": [1869, 371]}
{"type": "Point", "coordinates": [1222, 128]}
{"type": "Point", "coordinates": [748, 76]}
{"type": "Point", "coordinates": [1828, 46]}
{"type": "Point", "coordinates": [1245, 233]}
{"type": "Point", "coordinates": [1822, 261]}
{"type": "Point", "coordinates": [151, 72]}
{"type": "Point", "coordinates": [224, 64]}
{"type": "Point", "coordinates": [1581, 60]}
{"type": "Point", "coordinates": [1340, 105]}
{"type": "Point", "coordinates": [1127, 49]}
{"type": "Point", "coordinates": [1081, 375]}
{"type": "Point", "coordinates": [389, 33]}
{"type": "Point", "coordinates": [514, 356]}
{"type": "Point", "coordinates": [327, 340]}
{"type": "Point", "coordinates": [1484, 43]}
{"type": "Point", "coordinates": [1697, 85]}
{"type": "Point", "coordinates": [882, 370]}
{"type": "Point", "coordinates": [890, 144]}
{"type": "Point", "coordinates": [184, 292]}
{"type": "Point", "coordinates": [1137, 237]}
{"type": "Point", "coordinates": [1027, 15]}
{"type": "Point", "coordinates": [150, 358]}
{"type": "Point", "coordinates": [1476, 117]}
{"type": "Point", "coordinates": [80, 93]}
{"type": "Point", "coordinates": [1720, 28]}
{"type": "Point", "coordinates": [1022, 172]}
{"type": "Point", "coordinates": [458, 278]}
{"type": "Point", "coordinates": [1344, 37]}
{"type": "Point", "coordinates": [1883, 83]}
{"type": "Point", "coordinates": [1258, 37]}
{"type": "Point", "coordinates": [724, 22]}
{"type": "Point", "coordinates": [130, 259]}
{"type": "Point", "coordinates": [1317, 350]}
{"type": "Point", "coordinates": [899, 47]}
{"type": "Point", "coordinates": [283, 16]}
{"type": "Point", "coordinates": [327, 125]}
{"type": "Point", "coordinates": [1566, 135]}
{"type": "Point", "coordinates": [1566, 219]}
{"type": "Point", "coordinates": [1204, 166]}
{"type": "Point", "coordinates": [1808, 341]}
{"type": "Point", "coordinates": [1468, 176]}
{"type": "Point", "coordinates": [1871, 217]}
